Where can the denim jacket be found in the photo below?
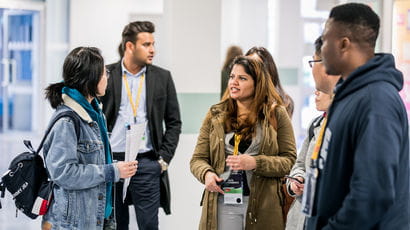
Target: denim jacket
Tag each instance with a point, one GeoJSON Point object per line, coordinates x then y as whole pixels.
{"type": "Point", "coordinates": [78, 171]}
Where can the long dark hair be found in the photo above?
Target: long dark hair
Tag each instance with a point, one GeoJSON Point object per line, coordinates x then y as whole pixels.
{"type": "Point", "coordinates": [264, 99]}
{"type": "Point", "coordinates": [270, 65]}
{"type": "Point", "coordinates": [82, 70]}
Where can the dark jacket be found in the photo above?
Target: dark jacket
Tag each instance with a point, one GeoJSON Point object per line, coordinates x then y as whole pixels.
{"type": "Point", "coordinates": [364, 183]}
{"type": "Point", "coordinates": [162, 108]}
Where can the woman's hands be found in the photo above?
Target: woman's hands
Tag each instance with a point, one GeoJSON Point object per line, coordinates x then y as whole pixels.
{"type": "Point", "coordinates": [127, 169]}
{"type": "Point", "coordinates": [211, 180]}
{"type": "Point", "coordinates": [241, 162]}
{"type": "Point", "coordinates": [297, 187]}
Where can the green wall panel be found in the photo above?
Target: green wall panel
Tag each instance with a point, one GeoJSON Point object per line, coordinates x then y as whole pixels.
{"type": "Point", "coordinates": [194, 107]}
{"type": "Point", "coordinates": [288, 76]}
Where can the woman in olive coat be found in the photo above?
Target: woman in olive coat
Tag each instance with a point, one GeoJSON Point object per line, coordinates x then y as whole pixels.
{"type": "Point", "coordinates": [253, 111]}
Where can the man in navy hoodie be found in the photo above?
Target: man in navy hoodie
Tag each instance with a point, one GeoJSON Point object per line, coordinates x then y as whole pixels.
{"type": "Point", "coordinates": [362, 172]}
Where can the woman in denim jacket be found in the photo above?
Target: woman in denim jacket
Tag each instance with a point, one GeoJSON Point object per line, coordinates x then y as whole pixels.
{"type": "Point", "coordinates": [82, 171]}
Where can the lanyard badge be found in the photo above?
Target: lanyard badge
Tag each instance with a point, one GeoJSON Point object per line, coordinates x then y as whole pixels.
{"type": "Point", "coordinates": [233, 186]}
{"type": "Point", "coordinates": [312, 174]}
{"type": "Point", "coordinates": [138, 97]}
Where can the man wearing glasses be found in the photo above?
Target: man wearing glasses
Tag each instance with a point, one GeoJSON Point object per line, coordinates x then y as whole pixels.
{"type": "Point", "coordinates": [323, 98]}
{"type": "Point", "coordinates": [323, 82]}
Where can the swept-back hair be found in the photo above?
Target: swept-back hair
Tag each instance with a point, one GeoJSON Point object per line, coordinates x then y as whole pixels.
{"type": "Point", "coordinates": [131, 31]}
{"type": "Point", "coordinates": [82, 70]}
{"type": "Point", "coordinates": [359, 22]}
{"type": "Point", "coordinates": [264, 100]}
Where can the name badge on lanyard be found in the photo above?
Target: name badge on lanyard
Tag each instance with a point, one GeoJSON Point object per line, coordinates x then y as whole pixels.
{"type": "Point", "coordinates": [134, 107]}
{"type": "Point", "coordinates": [233, 186]}
{"type": "Point", "coordinates": [312, 173]}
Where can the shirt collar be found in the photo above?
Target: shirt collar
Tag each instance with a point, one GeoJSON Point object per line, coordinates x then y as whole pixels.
{"type": "Point", "coordinates": [124, 70]}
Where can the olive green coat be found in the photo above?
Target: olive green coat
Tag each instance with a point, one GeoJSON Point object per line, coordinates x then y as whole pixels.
{"type": "Point", "coordinates": [276, 157]}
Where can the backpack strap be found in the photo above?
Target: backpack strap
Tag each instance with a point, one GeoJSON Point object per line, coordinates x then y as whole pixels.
{"type": "Point", "coordinates": [70, 114]}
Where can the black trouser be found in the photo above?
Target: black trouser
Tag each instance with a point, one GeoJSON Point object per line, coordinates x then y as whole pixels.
{"type": "Point", "coordinates": [144, 192]}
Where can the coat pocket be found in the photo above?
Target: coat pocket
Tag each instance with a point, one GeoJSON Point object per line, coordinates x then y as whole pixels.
{"type": "Point", "coordinates": [89, 152]}
{"type": "Point", "coordinates": [69, 212]}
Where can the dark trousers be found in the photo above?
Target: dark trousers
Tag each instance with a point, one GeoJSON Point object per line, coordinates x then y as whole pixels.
{"type": "Point", "coordinates": [144, 193]}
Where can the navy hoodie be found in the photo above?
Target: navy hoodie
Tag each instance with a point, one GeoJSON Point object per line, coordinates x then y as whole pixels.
{"type": "Point", "coordinates": [364, 161]}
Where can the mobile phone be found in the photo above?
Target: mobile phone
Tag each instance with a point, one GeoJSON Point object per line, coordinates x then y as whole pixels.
{"type": "Point", "coordinates": [294, 179]}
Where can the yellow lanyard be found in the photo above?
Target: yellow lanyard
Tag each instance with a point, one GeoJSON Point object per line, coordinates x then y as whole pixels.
{"type": "Point", "coordinates": [137, 99]}
{"type": "Point", "coordinates": [315, 153]}
{"type": "Point", "coordinates": [236, 146]}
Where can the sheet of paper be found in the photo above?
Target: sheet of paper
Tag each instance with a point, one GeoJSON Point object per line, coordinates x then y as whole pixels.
{"type": "Point", "coordinates": [134, 136]}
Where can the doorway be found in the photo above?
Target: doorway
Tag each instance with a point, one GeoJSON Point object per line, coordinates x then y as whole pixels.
{"type": "Point", "coordinates": [20, 67]}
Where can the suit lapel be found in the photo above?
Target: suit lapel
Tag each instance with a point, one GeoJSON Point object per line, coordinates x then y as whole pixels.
{"type": "Point", "coordinates": [117, 74]}
{"type": "Point", "coordinates": [150, 88]}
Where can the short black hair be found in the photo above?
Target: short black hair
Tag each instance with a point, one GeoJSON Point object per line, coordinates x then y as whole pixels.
{"type": "Point", "coordinates": [318, 46]}
{"type": "Point", "coordinates": [130, 31]}
{"type": "Point", "coordinates": [82, 70]}
{"type": "Point", "coordinates": [359, 22]}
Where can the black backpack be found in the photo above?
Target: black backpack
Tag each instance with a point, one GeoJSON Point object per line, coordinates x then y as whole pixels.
{"type": "Point", "coordinates": [27, 179]}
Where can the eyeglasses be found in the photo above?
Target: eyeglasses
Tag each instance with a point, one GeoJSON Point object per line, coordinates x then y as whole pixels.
{"type": "Point", "coordinates": [312, 61]}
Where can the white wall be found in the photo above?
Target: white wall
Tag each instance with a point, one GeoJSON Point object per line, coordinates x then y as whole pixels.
{"type": "Point", "coordinates": [194, 26]}
{"type": "Point", "coordinates": [186, 191]}
{"type": "Point", "coordinates": [195, 47]}
{"type": "Point", "coordinates": [243, 23]}
{"type": "Point", "coordinates": [99, 23]}
{"type": "Point", "coordinates": [190, 47]}
{"type": "Point", "coordinates": [290, 52]}
{"type": "Point", "coordinates": [230, 15]}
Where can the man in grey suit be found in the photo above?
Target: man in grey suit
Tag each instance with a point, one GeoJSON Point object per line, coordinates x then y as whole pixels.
{"type": "Point", "coordinates": [141, 93]}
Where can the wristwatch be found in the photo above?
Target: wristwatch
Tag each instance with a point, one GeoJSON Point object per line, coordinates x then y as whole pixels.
{"type": "Point", "coordinates": [164, 165]}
